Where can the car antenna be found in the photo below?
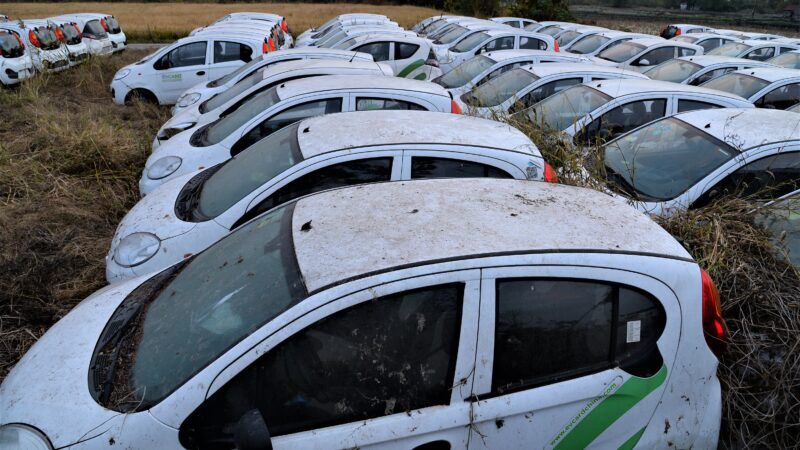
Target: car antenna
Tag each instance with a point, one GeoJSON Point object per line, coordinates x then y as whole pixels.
{"type": "Point", "coordinates": [354, 56]}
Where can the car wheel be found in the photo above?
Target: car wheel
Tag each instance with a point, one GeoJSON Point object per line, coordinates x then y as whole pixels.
{"type": "Point", "coordinates": [142, 95]}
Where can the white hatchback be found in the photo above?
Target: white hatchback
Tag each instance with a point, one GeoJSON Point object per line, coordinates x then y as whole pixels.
{"type": "Point", "coordinates": [408, 56]}
{"type": "Point", "coordinates": [642, 53]}
{"type": "Point", "coordinates": [492, 40]}
{"type": "Point", "coordinates": [42, 45]}
{"type": "Point", "coordinates": [69, 36]}
{"type": "Point", "coordinates": [696, 70]}
{"type": "Point", "coordinates": [279, 106]}
{"type": "Point", "coordinates": [709, 41]}
{"type": "Point", "coordinates": [421, 314]}
{"type": "Point", "coordinates": [92, 32]}
{"type": "Point", "coordinates": [766, 87]}
{"type": "Point", "coordinates": [593, 44]}
{"type": "Point", "coordinates": [15, 62]}
{"type": "Point", "coordinates": [759, 50]}
{"type": "Point", "coordinates": [110, 24]}
{"type": "Point", "coordinates": [190, 213]}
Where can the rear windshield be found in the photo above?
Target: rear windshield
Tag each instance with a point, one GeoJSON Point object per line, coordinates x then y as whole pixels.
{"type": "Point", "coordinates": [500, 88]}
{"type": "Point", "coordinates": [248, 170]}
{"type": "Point", "coordinates": [47, 38]}
{"type": "Point", "coordinates": [567, 37]}
{"type": "Point", "coordinates": [730, 49]}
{"type": "Point", "coordinates": [552, 30]}
{"type": "Point", "coordinates": [113, 25]}
{"type": "Point", "coordinates": [622, 52]}
{"type": "Point", "coordinates": [662, 160]}
{"type": "Point", "coordinates": [10, 46]}
{"type": "Point", "coordinates": [232, 92]}
{"type": "Point", "coordinates": [588, 44]}
{"type": "Point", "coordinates": [465, 72]}
{"type": "Point", "coordinates": [93, 30]}
{"type": "Point", "coordinates": [451, 35]}
{"type": "Point", "coordinates": [737, 83]}
{"type": "Point", "coordinates": [217, 131]}
{"type": "Point", "coordinates": [470, 42]}
{"type": "Point", "coordinates": [562, 110]}
{"type": "Point", "coordinates": [71, 34]}
{"type": "Point", "coordinates": [441, 31]}
{"type": "Point", "coordinates": [240, 70]}
{"type": "Point", "coordinates": [674, 70]}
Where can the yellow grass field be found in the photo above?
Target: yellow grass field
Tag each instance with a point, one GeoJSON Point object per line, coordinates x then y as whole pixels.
{"type": "Point", "coordinates": [141, 19]}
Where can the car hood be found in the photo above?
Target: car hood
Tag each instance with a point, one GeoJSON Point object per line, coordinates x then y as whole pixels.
{"type": "Point", "coordinates": [49, 387]}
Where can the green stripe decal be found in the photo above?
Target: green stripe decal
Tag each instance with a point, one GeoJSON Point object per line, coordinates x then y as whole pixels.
{"type": "Point", "coordinates": [609, 410]}
{"type": "Point", "coordinates": [410, 68]}
{"type": "Point", "coordinates": [421, 77]}
{"type": "Point", "coordinates": [630, 443]}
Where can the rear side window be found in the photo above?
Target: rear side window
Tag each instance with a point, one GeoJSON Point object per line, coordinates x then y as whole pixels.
{"type": "Point", "coordinates": [505, 43]}
{"type": "Point", "coordinates": [231, 51]}
{"type": "Point", "coordinates": [780, 98]}
{"type": "Point", "coordinates": [691, 105]}
{"type": "Point", "coordinates": [389, 355]}
{"type": "Point", "coordinates": [193, 54]}
{"type": "Point", "coordinates": [378, 50]}
{"type": "Point", "coordinates": [549, 330]}
{"type": "Point", "coordinates": [337, 175]}
{"type": "Point", "coordinates": [404, 51]}
{"type": "Point", "coordinates": [530, 43]}
{"type": "Point", "coordinates": [423, 167]}
{"type": "Point", "coordinates": [371, 104]}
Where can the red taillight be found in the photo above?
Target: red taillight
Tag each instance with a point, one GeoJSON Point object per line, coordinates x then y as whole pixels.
{"type": "Point", "coordinates": [550, 175]}
{"type": "Point", "coordinates": [557, 48]}
{"type": "Point", "coordinates": [454, 108]}
{"type": "Point", "coordinates": [271, 44]}
{"type": "Point", "coordinates": [265, 47]}
{"type": "Point", "coordinates": [34, 40]}
{"type": "Point", "coordinates": [78, 30]}
{"type": "Point", "coordinates": [60, 34]}
{"type": "Point", "coordinates": [714, 328]}
{"type": "Point", "coordinates": [678, 32]}
{"type": "Point", "coordinates": [104, 24]}
{"type": "Point", "coordinates": [284, 27]}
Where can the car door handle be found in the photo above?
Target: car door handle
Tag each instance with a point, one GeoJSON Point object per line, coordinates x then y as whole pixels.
{"type": "Point", "coordinates": [201, 73]}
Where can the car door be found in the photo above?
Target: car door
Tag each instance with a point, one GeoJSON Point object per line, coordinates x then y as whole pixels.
{"type": "Point", "coordinates": [226, 56]}
{"type": "Point", "coordinates": [405, 59]}
{"type": "Point", "coordinates": [570, 357]}
{"type": "Point", "coordinates": [781, 97]}
{"type": "Point", "coordinates": [502, 43]}
{"type": "Point", "coordinates": [386, 366]}
{"type": "Point", "coordinates": [621, 119]}
{"type": "Point", "coordinates": [179, 69]}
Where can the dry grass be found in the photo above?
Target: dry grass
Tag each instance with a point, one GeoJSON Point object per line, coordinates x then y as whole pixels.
{"type": "Point", "coordinates": [146, 21]}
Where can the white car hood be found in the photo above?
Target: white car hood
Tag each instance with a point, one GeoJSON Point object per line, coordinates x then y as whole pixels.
{"type": "Point", "coordinates": [49, 386]}
{"type": "Point", "coordinates": [155, 213]}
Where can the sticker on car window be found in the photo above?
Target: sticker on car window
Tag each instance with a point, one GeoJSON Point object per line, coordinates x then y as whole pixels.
{"type": "Point", "coordinates": [170, 77]}
{"type": "Point", "coordinates": [634, 331]}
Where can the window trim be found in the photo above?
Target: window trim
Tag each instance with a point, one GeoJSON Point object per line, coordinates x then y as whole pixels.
{"type": "Point", "coordinates": [269, 113]}
{"type": "Point", "coordinates": [431, 151]}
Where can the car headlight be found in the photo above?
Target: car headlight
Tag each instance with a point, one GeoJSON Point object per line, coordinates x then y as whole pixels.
{"type": "Point", "coordinates": [136, 248]}
{"type": "Point", "coordinates": [164, 167]}
{"type": "Point", "coordinates": [167, 133]}
{"type": "Point", "coordinates": [23, 437]}
{"type": "Point", "coordinates": [122, 74]}
{"type": "Point", "coordinates": [189, 99]}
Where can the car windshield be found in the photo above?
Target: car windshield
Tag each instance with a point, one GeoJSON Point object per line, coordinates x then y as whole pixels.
{"type": "Point", "coordinates": [567, 37]}
{"type": "Point", "coordinates": [346, 44]}
{"type": "Point", "coordinates": [10, 46]}
{"type": "Point", "coordinates": [248, 170]}
{"type": "Point", "coordinates": [499, 89]}
{"type": "Point", "coordinates": [441, 31]}
{"type": "Point", "coordinates": [562, 110]}
{"type": "Point", "coordinates": [737, 83]}
{"type": "Point", "coordinates": [552, 30]}
{"type": "Point", "coordinates": [588, 44]}
{"type": "Point", "coordinates": [674, 70]}
{"type": "Point", "coordinates": [790, 60]}
{"type": "Point", "coordinates": [217, 131]}
{"type": "Point", "coordinates": [232, 92]}
{"type": "Point", "coordinates": [448, 38]}
{"type": "Point", "coordinates": [113, 25]}
{"type": "Point", "coordinates": [662, 160]}
{"type": "Point", "coordinates": [240, 70]}
{"type": "Point", "coordinates": [470, 42]}
{"type": "Point", "coordinates": [730, 49]}
{"type": "Point", "coordinates": [332, 39]}
{"type": "Point", "coordinates": [622, 52]}
{"type": "Point", "coordinates": [782, 220]}
{"type": "Point", "coordinates": [465, 72]}
{"type": "Point", "coordinates": [93, 30]}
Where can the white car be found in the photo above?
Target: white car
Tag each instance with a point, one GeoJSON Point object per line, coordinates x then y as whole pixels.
{"type": "Point", "coordinates": [326, 39]}
{"type": "Point", "coordinates": [516, 22]}
{"type": "Point", "coordinates": [702, 155]}
{"type": "Point", "coordinates": [351, 32]}
{"type": "Point", "coordinates": [525, 86]}
{"type": "Point", "coordinates": [192, 212]}
{"type": "Point", "coordinates": [789, 60]}
{"type": "Point", "coordinates": [436, 25]}
{"type": "Point", "coordinates": [408, 56]}
{"type": "Point", "coordinates": [493, 40]}
{"type": "Point", "coordinates": [205, 90]}
{"type": "Point", "coordinates": [42, 45]}
{"type": "Point", "coordinates": [696, 70]}
{"type": "Point", "coordinates": [282, 105]}
{"type": "Point", "coordinates": [486, 66]}
{"type": "Point", "coordinates": [678, 29]}
{"type": "Point", "coordinates": [398, 315]}
{"type": "Point", "coordinates": [593, 44]}
{"type": "Point", "coordinates": [456, 32]}
{"type": "Point", "coordinates": [92, 33]}
{"type": "Point", "coordinates": [70, 37]}
{"type": "Point", "coordinates": [766, 87]}
{"type": "Point", "coordinates": [553, 27]}
{"type": "Point", "coordinates": [758, 50]}
{"type": "Point", "coordinates": [286, 32]}
{"type": "Point", "coordinates": [571, 35]}
{"type": "Point", "coordinates": [111, 25]}
{"type": "Point", "coordinates": [709, 41]}
{"type": "Point", "coordinates": [743, 35]}
{"type": "Point", "coordinates": [226, 102]}
{"type": "Point", "coordinates": [310, 36]}
{"type": "Point", "coordinates": [602, 110]}
{"type": "Point", "coordinates": [15, 63]}
{"type": "Point", "coordinates": [269, 31]}
{"type": "Point", "coordinates": [421, 26]}
{"type": "Point", "coordinates": [642, 53]}
{"type": "Point", "coordinates": [164, 75]}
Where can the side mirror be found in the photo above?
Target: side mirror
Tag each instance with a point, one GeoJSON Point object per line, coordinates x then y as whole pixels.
{"type": "Point", "coordinates": [251, 432]}
{"type": "Point", "coordinates": [644, 62]}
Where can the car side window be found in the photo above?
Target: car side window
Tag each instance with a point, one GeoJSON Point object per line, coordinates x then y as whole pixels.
{"type": "Point", "coordinates": [513, 23]}
{"type": "Point", "coordinates": [389, 355]}
{"type": "Point", "coordinates": [499, 71]}
{"type": "Point", "coordinates": [655, 57]}
{"type": "Point", "coordinates": [780, 98]}
{"type": "Point", "coordinates": [685, 52]}
{"type": "Point", "coordinates": [193, 54]}
{"type": "Point", "coordinates": [504, 43]}
{"type": "Point", "coordinates": [764, 179]}
{"type": "Point", "coordinates": [761, 54]}
{"type": "Point", "coordinates": [403, 50]}
{"type": "Point", "coordinates": [710, 75]}
{"type": "Point", "coordinates": [710, 44]}
{"type": "Point", "coordinates": [426, 167]}
{"type": "Point", "coordinates": [542, 92]}
{"type": "Point", "coordinates": [288, 116]}
{"type": "Point", "coordinates": [348, 173]}
{"type": "Point", "coordinates": [378, 50]}
{"type": "Point", "coordinates": [231, 51]}
{"type": "Point", "coordinates": [691, 105]}
{"type": "Point", "coordinates": [622, 119]}
{"type": "Point", "coordinates": [371, 104]}
{"type": "Point", "coordinates": [529, 43]}
{"type": "Point", "coordinates": [785, 49]}
{"type": "Point", "coordinates": [550, 330]}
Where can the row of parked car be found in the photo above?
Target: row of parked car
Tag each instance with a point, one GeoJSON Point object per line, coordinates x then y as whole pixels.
{"type": "Point", "coordinates": [335, 250]}
{"type": "Point", "coordinates": [55, 43]}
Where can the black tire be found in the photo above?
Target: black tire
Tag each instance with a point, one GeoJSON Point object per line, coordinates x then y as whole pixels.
{"type": "Point", "coordinates": [141, 95]}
